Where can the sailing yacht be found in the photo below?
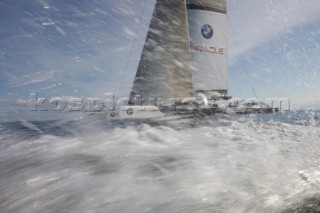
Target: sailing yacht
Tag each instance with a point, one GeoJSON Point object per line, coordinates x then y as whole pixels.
{"type": "Point", "coordinates": [183, 65]}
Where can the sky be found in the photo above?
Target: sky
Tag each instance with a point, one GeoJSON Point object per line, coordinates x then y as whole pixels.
{"type": "Point", "coordinates": [275, 49]}
{"type": "Point", "coordinates": [77, 48]}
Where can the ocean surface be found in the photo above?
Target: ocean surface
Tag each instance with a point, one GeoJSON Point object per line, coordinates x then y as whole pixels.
{"type": "Point", "coordinates": [245, 163]}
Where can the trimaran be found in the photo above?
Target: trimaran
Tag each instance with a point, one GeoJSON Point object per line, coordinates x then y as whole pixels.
{"type": "Point", "coordinates": [183, 66]}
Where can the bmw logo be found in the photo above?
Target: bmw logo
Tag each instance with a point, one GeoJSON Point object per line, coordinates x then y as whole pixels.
{"type": "Point", "coordinates": [207, 31]}
{"type": "Point", "coordinates": [129, 111]}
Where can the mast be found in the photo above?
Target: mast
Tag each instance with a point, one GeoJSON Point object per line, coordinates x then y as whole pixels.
{"type": "Point", "coordinates": [164, 70]}
{"type": "Point", "coordinates": [207, 21]}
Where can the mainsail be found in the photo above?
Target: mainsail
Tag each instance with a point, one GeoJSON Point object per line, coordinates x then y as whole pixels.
{"type": "Point", "coordinates": [164, 71]}
{"type": "Point", "coordinates": [185, 52]}
{"type": "Point", "coordinates": [208, 41]}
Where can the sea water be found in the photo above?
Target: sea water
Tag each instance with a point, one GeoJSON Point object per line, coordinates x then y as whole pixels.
{"type": "Point", "coordinates": [245, 163]}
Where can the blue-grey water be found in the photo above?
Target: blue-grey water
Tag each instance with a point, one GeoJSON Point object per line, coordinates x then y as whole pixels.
{"type": "Point", "coordinates": [256, 163]}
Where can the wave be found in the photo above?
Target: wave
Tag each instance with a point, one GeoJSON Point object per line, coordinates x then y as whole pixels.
{"type": "Point", "coordinates": [264, 163]}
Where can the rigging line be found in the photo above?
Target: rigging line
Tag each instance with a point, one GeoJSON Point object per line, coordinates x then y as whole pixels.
{"type": "Point", "coordinates": [132, 46]}
{"type": "Point", "coordinates": [242, 60]}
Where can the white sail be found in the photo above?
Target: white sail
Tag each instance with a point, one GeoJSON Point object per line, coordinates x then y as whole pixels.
{"type": "Point", "coordinates": [164, 70]}
{"type": "Point", "coordinates": [207, 21]}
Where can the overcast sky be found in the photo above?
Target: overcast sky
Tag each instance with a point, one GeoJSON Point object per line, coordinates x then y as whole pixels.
{"type": "Point", "coordinates": [85, 48]}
